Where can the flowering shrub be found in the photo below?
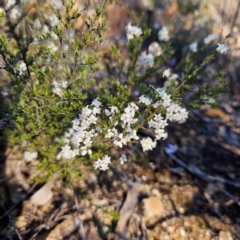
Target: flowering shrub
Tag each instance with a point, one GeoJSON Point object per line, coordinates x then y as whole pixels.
{"type": "Point", "coordinates": [63, 115]}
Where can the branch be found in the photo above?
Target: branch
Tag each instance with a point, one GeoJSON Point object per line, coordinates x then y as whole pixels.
{"type": "Point", "coordinates": [127, 211]}
{"type": "Point", "coordinates": [81, 229]}
{"type": "Point", "coordinates": [203, 176]}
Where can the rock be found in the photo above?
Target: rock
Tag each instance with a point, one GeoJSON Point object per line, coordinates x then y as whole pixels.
{"type": "Point", "coordinates": [65, 229]}
{"type": "Point", "coordinates": [217, 113]}
{"type": "Point", "coordinates": [225, 236]}
{"type": "Point", "coordinates": [152, 210]}
{"type": "Point", "coordinates": [13, 174]}
{"type": "Point", "coordinates": [182, 231]}
{"type": "Point", "coordinates": [68, 229]}
{"type": "Point", "coordinates": [21, 222]}
{"type": "Point", "coordinates": [156, 193]}
{"type": "Point", "coordinates": [43, 195]}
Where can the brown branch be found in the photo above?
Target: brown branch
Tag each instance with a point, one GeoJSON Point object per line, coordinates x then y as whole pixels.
{"type": "Point", "coordinates": [81, 229]}
{"type": "Point", "coordinates": [126, 211]}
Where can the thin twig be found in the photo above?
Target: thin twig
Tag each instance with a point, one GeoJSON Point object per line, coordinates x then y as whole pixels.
{"type": "Point", "coordinates": [143, 226]}
{"type": "Point", "coordinates": [12, 223]}
{"type": "Point", "coordinates": [222, 180]}
{"type": "Point", "coordinates": [81, 229]}
{"type": "Point", "coordinates": [203, 176]}
{"type": "Point", "coordinates": [23, 198]}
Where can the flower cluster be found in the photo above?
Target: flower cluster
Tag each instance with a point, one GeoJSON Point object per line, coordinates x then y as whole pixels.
{"type": "Point", "coordinates": [155, 49]}
{"type": "Point", "coordinates": [146, 100]}
{"type": "Point", "coordinates": [146, 60]}
{"type": "Point", "coordinates": [132, 31]}
{"type": "Point", "coordinates": [163, 34]}
{"type": "Point", "coordinates": [171, 78]}
{"type": "Point", "coordinates": [59, 87]}
{"type": "Point", "coordinates": [193, 47]}
{"type": "Point", "coordinates": [103, 163]}
{"type": "Point", "coordinates": [173, 112]}
{"type": "Point", "coordinates": [148, 144]}
{"type": "Point", "coordinates": [78, 139]}
{"type": "Point", "coordinates": [128, 119]}
{"type": "Point", "coordinates": [22, 68]}
{"type": "Point", "coordinates": [222, 48]}
{"type": "Point", "coordinates": [29, 156]}
{"type": "Point", "coordinates": [158, 123]}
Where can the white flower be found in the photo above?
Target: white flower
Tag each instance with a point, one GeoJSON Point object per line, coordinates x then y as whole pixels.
{"type": "Point", "coordinates": [176, 113]}
{"type": "Point", "coordinates": [29, 156]}
{"type": "Point", "coordinates": [2, 12]}
{"type": "Point", "coordinates": [54, 36]}
{"type": "Point", "coordinates": [146, 100]}
{"type": "Point", "coordinates": [209, 100]}
{"type": "Point", "coordinates": [158, 123]}
{"type": "Point", "coordinates": [56, 4]}
{"type": "Point", "coordinates": [67, 152]}
{"type": "Point", "coordinates": [120, 140]}
{"type": "Point", "coordinates": [65, 47]}
{"type": "Point", "coordinates": [163, 34]}
{"type": "Point", "coordinates": [146, 60]}
{"type": "Point", "coordinates": [161, 123]}
{"type": "Point", "coordinates": [114, 109]}
{"type": "Point", "coordinates": [222, 48]}
{"type": "Point", "coordinates": [107, 112]}
{"type": "Point", "coordinates": [132, 134]}
{"type": "Point", "coordinates": [53, 20]}
{"type": "Point", "coordinates": [210, 38]}
{"type": "Point", "coordinates": [37, 24]}
{"type": "Point", "coordinates": [122, 159]}
{"type": "Point", "coordinates": [111, 133]}
{"type": "Point", "coordinates": [22, 68]}
{"type": "Point", "coordinates": [157, 104]}
{"type": "Point", "coordinates": [59, 87]}
{"type": "Point", "coordinates": [9, 3]}
{"type": "Point", "coordinates": [160, 134]}
{"type": "Point", "coordinates": [96, 103]}
{"type": "Point", "coordinates": [128, 114]}
{"type": "Point", "coordinates": [132, 31]}
{"type": "Point", "coordinates": [70, 33]}
{"type": "Point", "coordinates": [166, 73]}
{"type": "Point", "coordinates": [103, 163]}
{"type": "Point", "coordinates": [166, 98]}
{"type": "Point", "coordinates": [171, 80]}
{"type": "Point", "coordinates": [45, 28]}
{"type": "Point", "coordinates": [155, 49]}
{"type": "Point", "coordinates": [86, 112]}
{"type": "Point", "coordinates": [174, 76]}
{"type": "Point", "coordinates": [52, 47]}
{"type": "Point", "coordinates": [193, 47]}
{"type": "Point", "coordinates": [15, 13]}
{"type": "Point", "coordinates": [152, 124]}
{"type": "Point", "coordinates": [148, 144]}
{"type": "Point", "coordinates": [133, 106]}
{"type": "Point", "coordinates": [85, 151]}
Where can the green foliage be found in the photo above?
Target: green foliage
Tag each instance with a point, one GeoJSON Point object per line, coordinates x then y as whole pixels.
{"type": "Point", "coordinates": [114, 215]}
